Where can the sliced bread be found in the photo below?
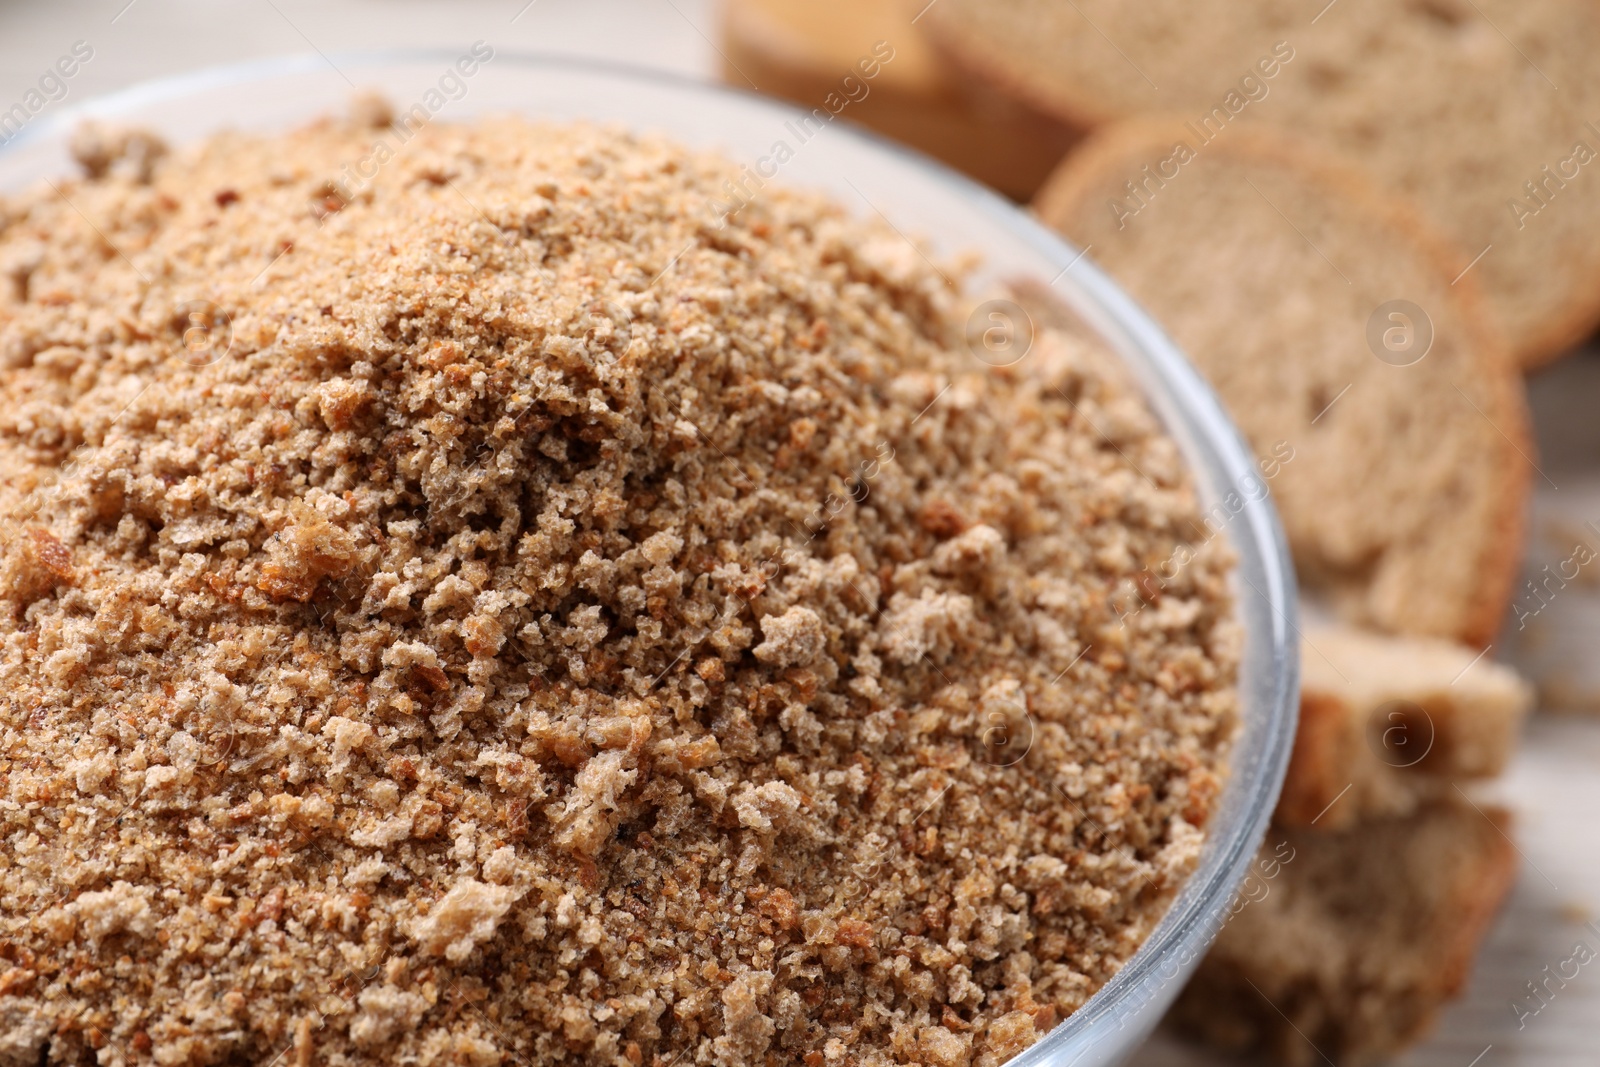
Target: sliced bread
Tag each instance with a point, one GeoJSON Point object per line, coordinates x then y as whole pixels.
{"type": "Point", "coordinates": [1387, 722]}
{"type": "Point", "coordinates": [868, 60]}
{"type": "Point", "coordinates": [1324, 315]}
{"type": "Point", "coordinates": [1479, 110]}
{"type": "Point", "coordinates": [1347, 955]}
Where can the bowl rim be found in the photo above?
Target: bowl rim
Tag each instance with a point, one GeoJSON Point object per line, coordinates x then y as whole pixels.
{"type": "Point", "coordinates": [1196, 912]}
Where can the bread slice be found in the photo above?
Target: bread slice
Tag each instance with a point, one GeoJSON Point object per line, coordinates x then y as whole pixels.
{"type": "Point", "coordinates": [804, 50]}
{"type": "Point", "coordinates": [1454, 103]}
{"type": "Point", "coordinates": [1402, 487]}
{"type": "Point", "coordinates": [1346, 944]}
{"type": "Point", "coordinates": [1388, 722]}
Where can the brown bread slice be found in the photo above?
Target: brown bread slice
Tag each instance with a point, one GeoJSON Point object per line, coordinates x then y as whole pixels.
{"type": "Point", "coordinates": [804, 50]}
{"type": "Point", "coordinates": [1348, 953]}
{"type": "Point", "coordinates": [1402, 488]}
{"type": "Point", "coordinates": [1451, 102]}
{"type": "Point", "coordinates": [1387, 722]}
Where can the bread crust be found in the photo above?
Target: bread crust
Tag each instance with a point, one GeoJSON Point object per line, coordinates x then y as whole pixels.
{"type": "Point", "coordinates": [1076, 181]}
{"type": "Point", "coordinates": [804, 54]}
{"type": "Point", "coordinates": [1311, 783]}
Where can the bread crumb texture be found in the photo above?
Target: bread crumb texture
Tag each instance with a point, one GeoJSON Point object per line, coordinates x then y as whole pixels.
{"type": "Point", "coordinates": [497, 614]}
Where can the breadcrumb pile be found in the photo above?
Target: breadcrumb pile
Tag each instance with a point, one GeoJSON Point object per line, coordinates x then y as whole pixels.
{"type": "Point", "coordinates": [496, 613]}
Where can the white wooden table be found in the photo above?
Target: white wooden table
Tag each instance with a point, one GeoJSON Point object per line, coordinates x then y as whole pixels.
{"type": "Point", "coordinates": [1555, 785]}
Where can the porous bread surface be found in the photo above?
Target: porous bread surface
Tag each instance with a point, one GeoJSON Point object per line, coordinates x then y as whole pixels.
{"type": "Point", "coordinates": [1401, 488]}
{"type": "Point", "coordinates": [520, 619]}
{"type": "Point", "coordinates": [1387, 722]}
{"type": "Point", "coordinates": [1457, 104]}
{"type": "Point", "coordinates": [1353, 940]}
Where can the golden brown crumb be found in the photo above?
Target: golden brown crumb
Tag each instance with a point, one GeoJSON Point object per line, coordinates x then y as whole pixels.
{"type": "Point", "coordinates": [504, 617]}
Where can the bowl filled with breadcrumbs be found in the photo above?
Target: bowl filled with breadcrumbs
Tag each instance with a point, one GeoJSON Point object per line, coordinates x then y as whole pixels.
{"type": "Point", "coordinates": [538, 564]}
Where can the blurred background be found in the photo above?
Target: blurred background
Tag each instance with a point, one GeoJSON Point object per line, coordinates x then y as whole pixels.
{"type": "Point", "coordinates": [1553, 785]}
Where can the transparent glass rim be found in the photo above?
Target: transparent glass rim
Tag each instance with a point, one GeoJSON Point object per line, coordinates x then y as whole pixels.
{"type": "Point", "coordinates": [1215, 451]}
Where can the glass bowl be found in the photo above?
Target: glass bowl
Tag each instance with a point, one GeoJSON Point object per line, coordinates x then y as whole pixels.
{"type": "Point", "coordinates": [917, 196]}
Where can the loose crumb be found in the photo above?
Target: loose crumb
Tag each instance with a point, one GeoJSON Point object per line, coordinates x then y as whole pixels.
{"type": "Point", "coordinates": [501, 616]}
